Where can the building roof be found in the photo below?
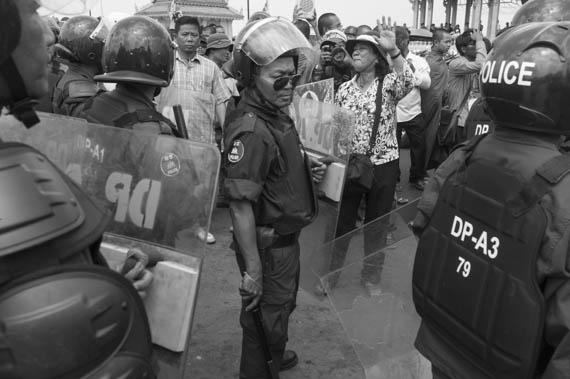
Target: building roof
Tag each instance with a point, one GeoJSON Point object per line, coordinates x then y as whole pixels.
{"type": "Point", "coordinates": [202, 9]}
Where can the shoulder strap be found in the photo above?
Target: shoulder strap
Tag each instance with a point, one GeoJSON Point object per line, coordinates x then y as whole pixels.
{"type": "Point", "coordinates": [377, 114]}
{"type": "Point", "coordinates": [547, 175]}
{"type": "Point", "coordinates": [143, 115]}
{"type": "Point", "coordinates": [470, 145]}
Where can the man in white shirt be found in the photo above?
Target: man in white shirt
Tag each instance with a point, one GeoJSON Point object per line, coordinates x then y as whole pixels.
{"type": "Point", "coordinates": [409, 110]}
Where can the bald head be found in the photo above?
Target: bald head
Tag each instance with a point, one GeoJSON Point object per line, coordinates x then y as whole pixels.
{"type": "Point", "coordinates": [328, 21]}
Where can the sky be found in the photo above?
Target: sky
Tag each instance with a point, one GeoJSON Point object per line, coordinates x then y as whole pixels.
{"type": "Point", "coordinates": [351, 12]}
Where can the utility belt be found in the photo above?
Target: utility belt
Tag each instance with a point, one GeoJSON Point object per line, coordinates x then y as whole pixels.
{"type": "Point", "coordinates": [267, 238]}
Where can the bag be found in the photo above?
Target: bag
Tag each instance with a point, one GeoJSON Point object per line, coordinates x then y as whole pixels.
{"type": "Point", "coordinates": [446, 134]}
{"type": "Point", "coordinates": [360, 170]}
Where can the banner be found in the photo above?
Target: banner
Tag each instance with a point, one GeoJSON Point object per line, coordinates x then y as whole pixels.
{"type": "Point", "coordinates": [322, 91]}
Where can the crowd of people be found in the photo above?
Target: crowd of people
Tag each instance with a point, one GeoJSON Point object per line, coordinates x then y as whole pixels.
{"type": "Point", "coordinates": [238, 92]}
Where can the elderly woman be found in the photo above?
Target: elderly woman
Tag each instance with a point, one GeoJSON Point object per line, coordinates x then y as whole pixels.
{"type": "Point", "coordinates": [375, 137]}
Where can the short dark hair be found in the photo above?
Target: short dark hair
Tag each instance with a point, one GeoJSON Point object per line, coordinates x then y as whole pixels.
{"type": "Point", "coordinates": [186, 20]}
{"type": "Point", "coordinates": [438, 34]}
{"type": "Point", "coordinates": [463, 40]}
{"type": "Point", "coordinates": [322, 21]}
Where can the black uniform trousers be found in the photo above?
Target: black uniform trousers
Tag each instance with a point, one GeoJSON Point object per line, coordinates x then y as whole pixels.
{"type": "Point", "coordinates": [281, 269]}
{"type": "Point", "coordinates": [378, 202]}
{"type": "Point", "coordinates": [416, 131]}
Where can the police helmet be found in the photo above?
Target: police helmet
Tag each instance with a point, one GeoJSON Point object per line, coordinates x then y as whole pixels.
{"type": "Point", "coordinates": [542, 10]}
{"type": "Point", "coordinates": [525, 81]}
{"type": "Point", "coordinates": [138, 50]}
{"type": "Point", "coordinates": [261, 42]}
{"type": "Point", "coordinates": [80, 40]}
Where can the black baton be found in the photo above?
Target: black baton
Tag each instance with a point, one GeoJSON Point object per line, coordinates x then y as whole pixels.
{"type": "Point", "coordinates": [273, 372]}
{"type": "Point", "coordinates": [180, 123]}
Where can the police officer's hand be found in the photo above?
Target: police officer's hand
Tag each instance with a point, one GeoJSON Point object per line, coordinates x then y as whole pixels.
{"type": "Point", "coordinates": [318, 170]}
{"type": "Point", "coordinates": [135, 270]}
{"type": "Point", "coordinates": [251, 290]}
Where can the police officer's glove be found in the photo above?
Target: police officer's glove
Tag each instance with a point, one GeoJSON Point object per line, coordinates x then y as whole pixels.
{"type": "Point", "coordinates": [134, 269]}
{"type": "Point", "coordinates": [250, 290]}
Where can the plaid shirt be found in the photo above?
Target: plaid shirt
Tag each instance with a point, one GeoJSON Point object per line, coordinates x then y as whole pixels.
{"type": "Point", "coordinates": [198, 85]}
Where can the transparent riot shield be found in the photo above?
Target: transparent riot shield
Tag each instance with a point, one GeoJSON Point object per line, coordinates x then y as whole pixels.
{"type": "Point", "coordinates": [326, 133]}
{"type": "Point", "coordinates": [199, 109]}
{"type": "Point", "coordinates": [322, 91]}
{"type": "Point", "coordinates": [160, 191]}
{"type": "Point", "coordinates": [368, 281]}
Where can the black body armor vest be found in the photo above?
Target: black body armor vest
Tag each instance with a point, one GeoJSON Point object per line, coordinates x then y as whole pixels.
{"type": "Point", "coordinates": [474, 278]}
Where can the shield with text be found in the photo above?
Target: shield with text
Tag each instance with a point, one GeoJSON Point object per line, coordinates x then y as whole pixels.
{"type": "Point", "coordinates": [160, 191]}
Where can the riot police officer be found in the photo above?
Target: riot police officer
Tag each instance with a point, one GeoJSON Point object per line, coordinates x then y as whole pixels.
{"type": "Point", "coordinates": [139, 57]}
{"type": "Point", "coordinates": [81, 42]}
{"type": "Point", "coordinates": [479, 121]}
{"type": "Point", "coordinates": [491, 277]}
{"type": "Point", "coordinates": [62, 314]}
{"type": "Point", "coordinates": [270, 187]}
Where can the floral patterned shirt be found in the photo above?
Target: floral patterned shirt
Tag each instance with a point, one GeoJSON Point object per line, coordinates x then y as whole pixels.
{"type": "Point", "coordinates": [363, 104]}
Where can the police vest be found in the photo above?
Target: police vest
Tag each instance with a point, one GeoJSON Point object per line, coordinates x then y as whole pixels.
{"type": "Point", "coordinates": [289, 202]}
{"type": "Point", "coordinates": [110, 108]}
{"type": "Point", "coordinates": [478, 122]}
{"type": "Point", "coordinates": [474, 275]}
{"type": "Point", "coordinates": [72, 90]}
{"type": "Point", "coordinates": [61, 315]}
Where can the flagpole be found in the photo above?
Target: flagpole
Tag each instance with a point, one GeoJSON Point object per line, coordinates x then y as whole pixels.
{"type": "Point", "coordinates": [248, 9]}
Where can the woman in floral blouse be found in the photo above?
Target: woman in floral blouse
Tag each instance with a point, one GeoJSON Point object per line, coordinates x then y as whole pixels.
{"type": "Point", "coordinates": [359, 95]}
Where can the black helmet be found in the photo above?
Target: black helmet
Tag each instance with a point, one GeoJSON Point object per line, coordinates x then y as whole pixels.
{"type": "Point", "coordinates": [20, 104]}
{"type": "Point", "coordinates": [138, 50]}
{"type": "Point", "coordinates": [542, 10]}
{"type": "Point", "coordinates": [80, 40]}
{"type": "Point", "coordinates": [525, 81]}
{"type": "Point", "coordinates": [261, 42]}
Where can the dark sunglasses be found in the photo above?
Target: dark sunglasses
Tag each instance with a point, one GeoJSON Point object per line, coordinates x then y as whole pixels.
{"type": "Point", "coordinates": [282, 82]}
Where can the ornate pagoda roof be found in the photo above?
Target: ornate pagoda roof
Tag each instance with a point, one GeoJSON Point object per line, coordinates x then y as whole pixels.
{"type": "Point", "coordinates": [201, 9]}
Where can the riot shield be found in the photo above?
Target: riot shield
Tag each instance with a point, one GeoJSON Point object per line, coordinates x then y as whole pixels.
{"type": "Point", "coordinates": [376, 311]}
{"type": "Point", "coordinates": [156, 186]}
{"type": "Point", "coordinates": [326, 132]}
{"type": "Point", "coordinates": [193, 103]}
{"type": "Point", "coordinates": [161, 193]}
{"type": "Point", "coordinates": [322, 91]}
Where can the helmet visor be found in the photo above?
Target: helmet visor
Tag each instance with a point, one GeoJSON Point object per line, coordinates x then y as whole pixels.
{"type": "Point", "coordinates": [265, 40]}
{"type": "Point", "coordinates": [68, 7]}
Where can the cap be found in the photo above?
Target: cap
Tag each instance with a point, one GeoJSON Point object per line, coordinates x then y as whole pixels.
{"type": "Point", "coordinates": [334, 36]}
{"type": "Point", "coordinates": [218, 41]}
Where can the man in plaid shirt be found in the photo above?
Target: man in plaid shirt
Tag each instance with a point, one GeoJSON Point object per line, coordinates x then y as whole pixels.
{"type": "Point", "coordinates": [197, 85]}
